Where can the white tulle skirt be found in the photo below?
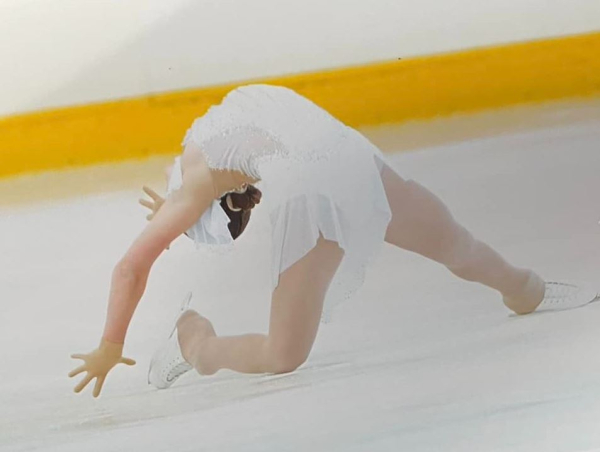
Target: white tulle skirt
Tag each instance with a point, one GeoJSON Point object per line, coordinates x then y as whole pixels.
{"type": "Point", "coordinates": [341, 198]}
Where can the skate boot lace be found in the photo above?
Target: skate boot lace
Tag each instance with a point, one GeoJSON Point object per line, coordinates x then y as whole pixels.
{"type": "Point", "coordinates": [176, 369]}
{"type": "Point", "coordinates": [557, 292]}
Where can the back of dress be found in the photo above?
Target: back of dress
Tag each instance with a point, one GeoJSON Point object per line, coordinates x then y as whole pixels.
{"type": "Point", "coordinates": [255, 123]}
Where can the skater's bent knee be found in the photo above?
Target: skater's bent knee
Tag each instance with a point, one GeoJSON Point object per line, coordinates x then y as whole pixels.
{"type": "Point", "coordinates": [286, 365]}
{"type": "Point", "coordinates": [285, 359]}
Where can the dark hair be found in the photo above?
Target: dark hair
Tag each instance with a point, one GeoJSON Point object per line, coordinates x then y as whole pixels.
{"type": "Point", "coordinates": [246, 201]}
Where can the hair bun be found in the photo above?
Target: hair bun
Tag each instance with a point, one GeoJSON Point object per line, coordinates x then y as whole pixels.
{"type": "Point", "coordinates": [247, 200]}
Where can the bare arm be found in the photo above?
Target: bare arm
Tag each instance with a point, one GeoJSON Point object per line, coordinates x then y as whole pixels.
{"type": "Point", "coordinates": [176, 216]}
{"type": "Point", "coordinates": [178, 213]}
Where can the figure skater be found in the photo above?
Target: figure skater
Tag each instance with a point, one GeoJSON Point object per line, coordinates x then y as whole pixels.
{"type": "Point", "coordinates": [332, 200]}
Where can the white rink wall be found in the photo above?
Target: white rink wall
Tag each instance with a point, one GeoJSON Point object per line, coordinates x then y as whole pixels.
{"type": "Point", "coordinates": [65, 52]}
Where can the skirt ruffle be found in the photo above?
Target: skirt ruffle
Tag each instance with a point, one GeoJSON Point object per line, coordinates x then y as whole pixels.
{"type": "Point", "coordinates": [342, 200]}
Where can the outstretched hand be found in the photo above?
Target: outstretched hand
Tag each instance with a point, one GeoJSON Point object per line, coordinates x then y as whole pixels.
{"type": "Point", "coordinates": [154, 205]}
{"type": "Point", "coordinates": [98, 363]}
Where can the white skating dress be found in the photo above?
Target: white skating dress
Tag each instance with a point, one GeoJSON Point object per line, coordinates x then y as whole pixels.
{"type": "Point", "coordinates": [317, 175]}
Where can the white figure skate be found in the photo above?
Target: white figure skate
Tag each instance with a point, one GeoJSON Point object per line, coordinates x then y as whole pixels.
{"type": "Point", "coordinates": [567, 295]}
{"type": "Point", "coordinates": [167, 363]}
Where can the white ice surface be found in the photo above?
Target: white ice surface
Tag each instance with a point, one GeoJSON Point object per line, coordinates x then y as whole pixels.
{"type": "Point", "coordinates": [418, 361]}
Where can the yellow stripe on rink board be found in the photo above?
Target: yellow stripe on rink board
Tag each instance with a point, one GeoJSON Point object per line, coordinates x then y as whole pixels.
{"type": "Point", "coordinates": [417, 88]}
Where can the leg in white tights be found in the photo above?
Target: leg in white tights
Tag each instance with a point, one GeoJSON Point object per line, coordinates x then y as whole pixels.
{"type": "Point", "coordinates": [296, 309]}
{"type": "Point", "coordinates": [423, 224]}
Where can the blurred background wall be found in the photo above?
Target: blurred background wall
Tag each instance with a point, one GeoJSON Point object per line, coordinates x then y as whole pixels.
{"type": "Point", "coordinates": [70, 52]}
